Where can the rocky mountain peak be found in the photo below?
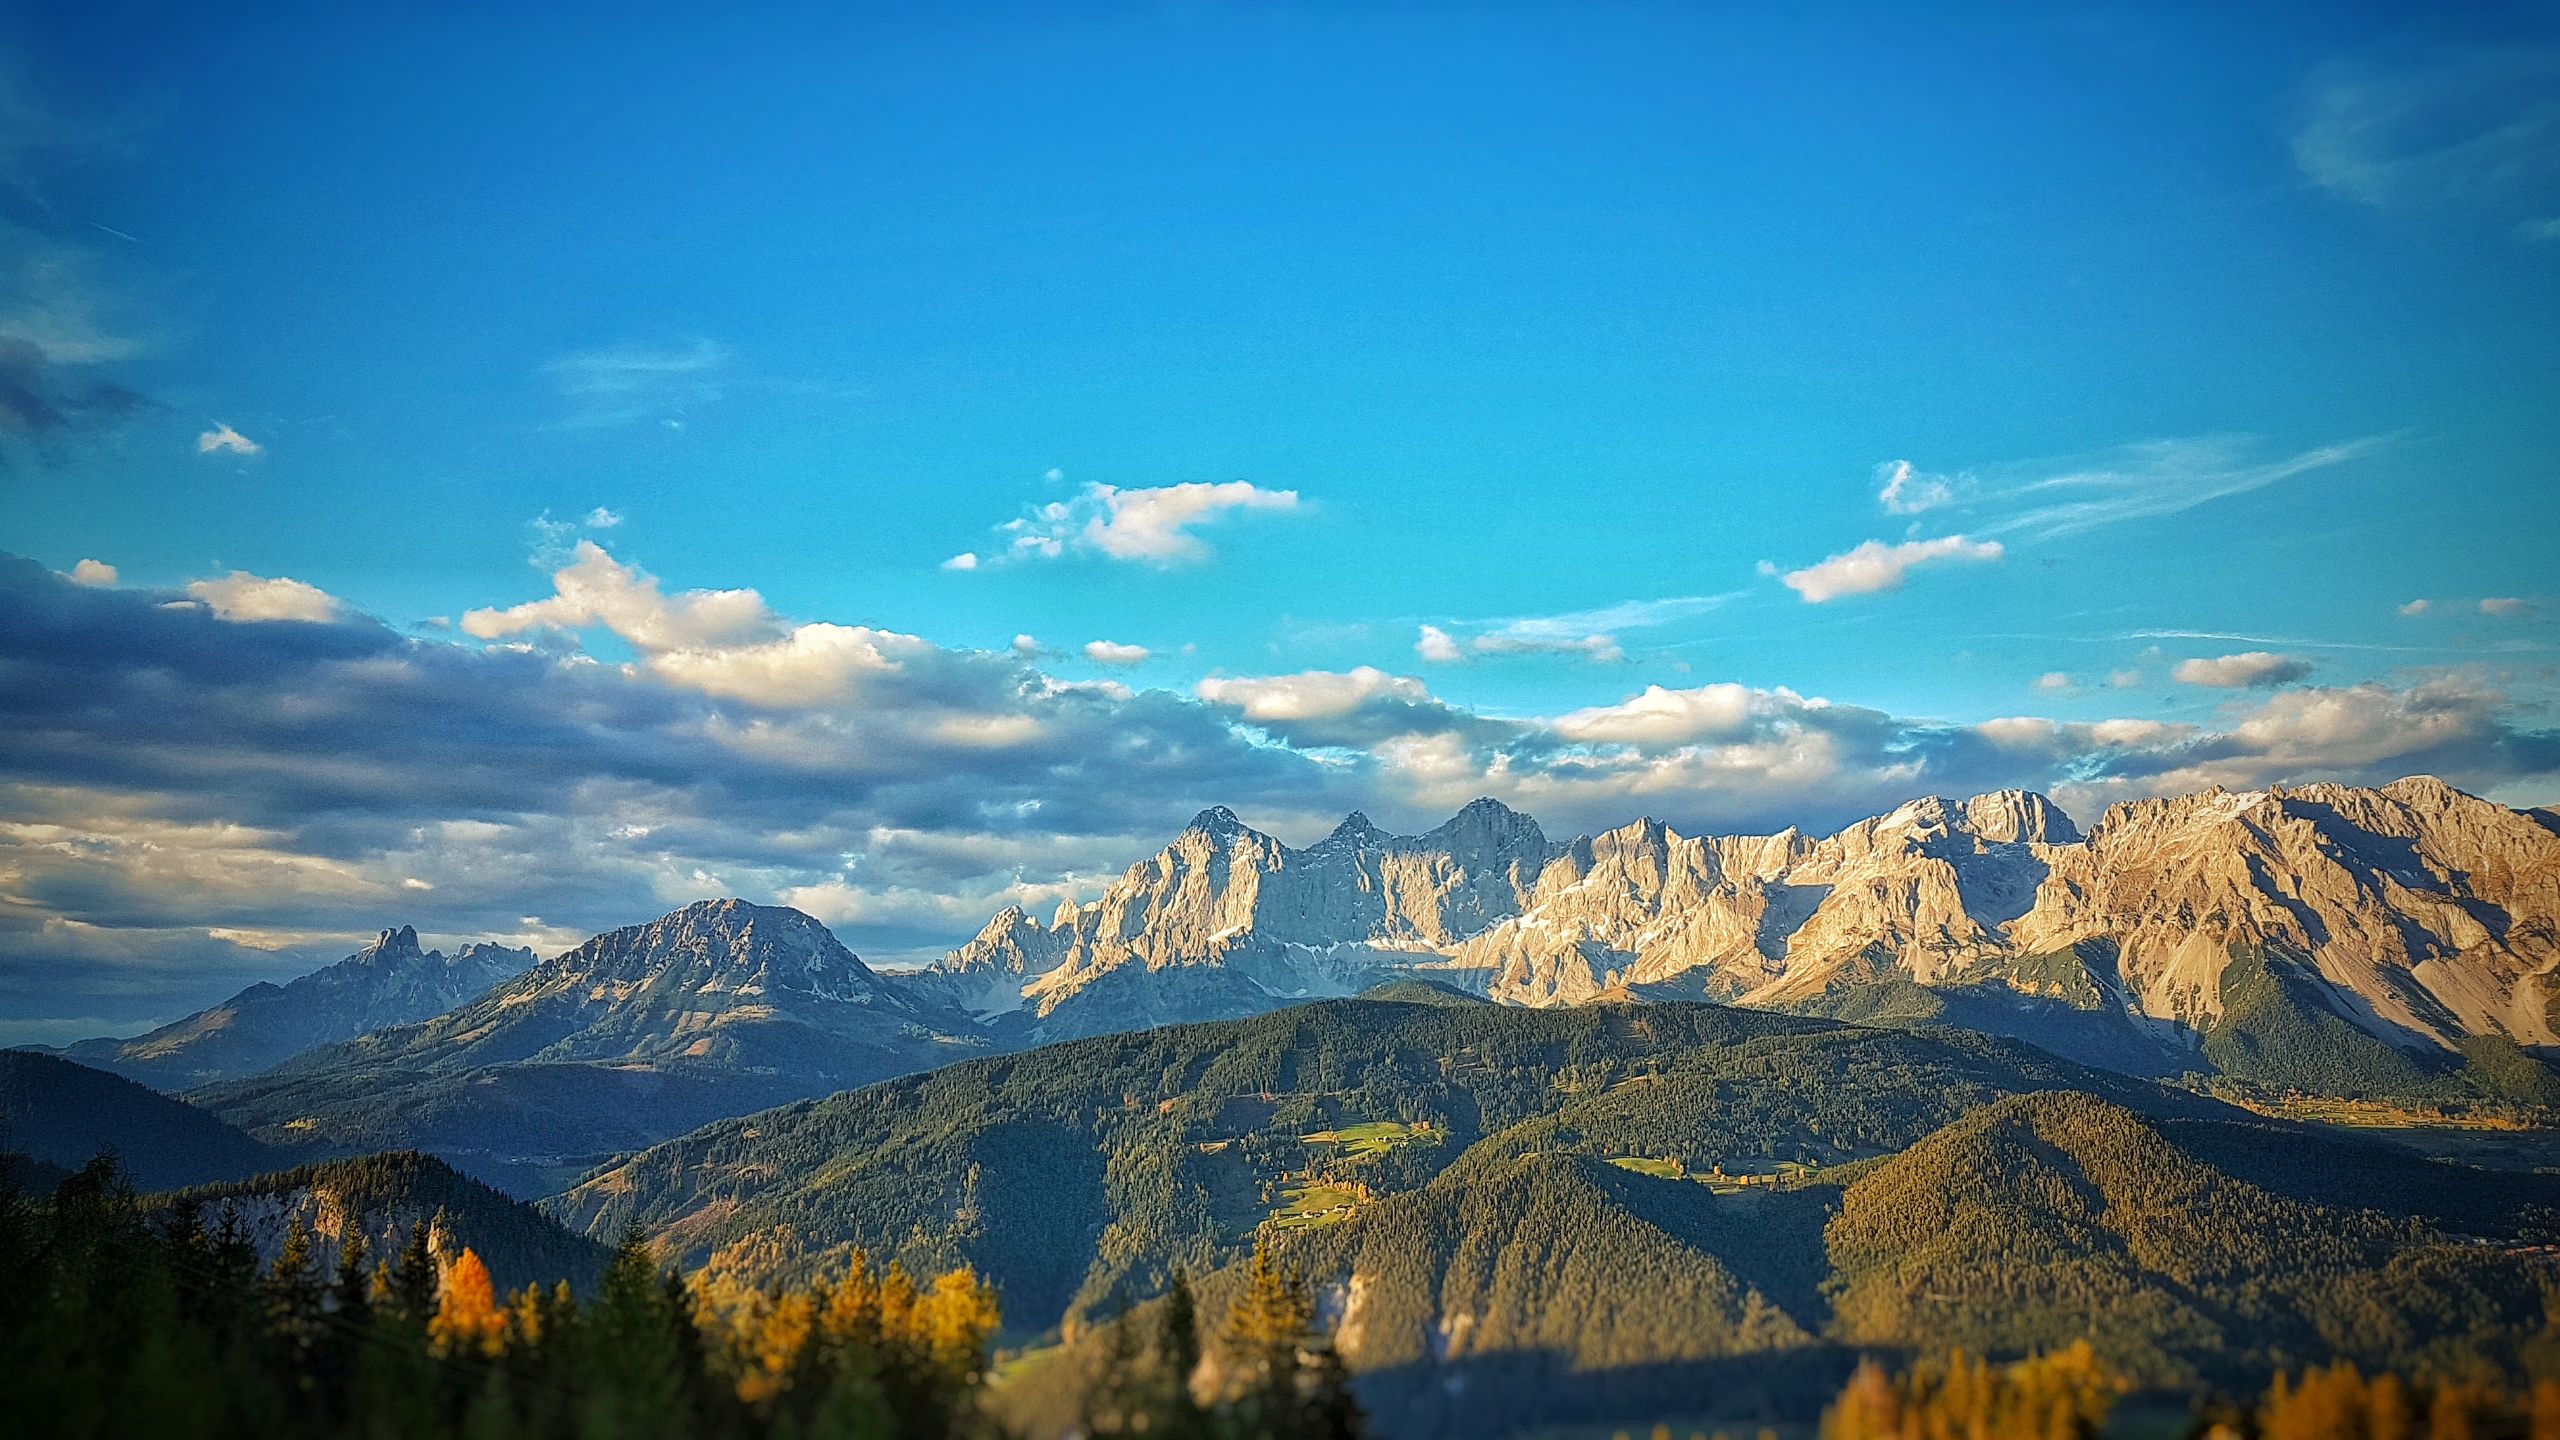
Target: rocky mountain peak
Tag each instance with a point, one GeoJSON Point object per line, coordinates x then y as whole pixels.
{"type": "Point", "coordinates": [1486, 824]}
{"type": "Point", "coordinates": [1355, 829]}
{"type": "Point", "coordinates": [2014, 816]}
{"type": "Point", "coordinates": [1216, 820]}
{"type": "Point", "coordinates": [392, 946]}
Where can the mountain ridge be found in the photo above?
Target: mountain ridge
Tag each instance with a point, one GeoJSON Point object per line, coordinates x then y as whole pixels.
{"type": "Point", "coordinates": [2428, 916]}
{"type": "Point", "coordinates": [392, 981]}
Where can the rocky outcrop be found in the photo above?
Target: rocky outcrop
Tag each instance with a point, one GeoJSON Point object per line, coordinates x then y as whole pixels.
{"type": "Point", "coordinates": [1281, 923]}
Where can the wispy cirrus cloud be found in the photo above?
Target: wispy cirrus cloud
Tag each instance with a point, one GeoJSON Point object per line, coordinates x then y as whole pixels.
{"type": "Point", "coordinates": [1592, 634]}
{"type": "Point", "coordinates": [2472, 128]}
{"type": "Point", "coordinates": [1154, 525]}
{"type": "Point", "coordinates": [635, 383]}
{"type": "Point", "coordinates": [1990, 508]}
{"type": "Point", "coordinates": [2037, 502]}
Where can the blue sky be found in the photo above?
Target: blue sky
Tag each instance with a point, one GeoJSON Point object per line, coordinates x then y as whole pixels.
{"type": "Point", "coordinates": [1553, 366]}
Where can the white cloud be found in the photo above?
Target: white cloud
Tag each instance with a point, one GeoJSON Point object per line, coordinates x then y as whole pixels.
{"type": "Point", "coordinates": [1112, 652]}
{"type": "Point", "coordinates": [1148, 526]}
{"type": "Point", "coordinates": [1876, 566]}
{"type": "Point", "coordinates": [1026, 646]}
{"type": "Point", "coordinates": [2054, 680]}
{"type": "Point", "coordinates": [2123, 679]}
{"type": "Point", "coordinates": [965, 560]}
{"type": "Point", "coordinates": [1053, 474]}
{"type": "Point", "coordinates": [2416, 607]}
{"type": "Point", "coordinates": [602, 519]}
{"type": "Point", "coordinates": [814, 664]}
{"type": "Point", "coordinates": [596, 589]}
{"type": "Point", "coordinates": [1908, 491]}
{"type": "Point", "coordinates": [1660, 717]}
{"type": "Point", "coordinates": [1311, 695]}
{"type": "Point", "coordinates": [223, 440]}
{"type": "Point", "coordinates": [2506, 605]}
{"type": "Point", "coordinates": [245, 597]}
{"type": "Point", "coordinates": [1437, 646]}
{"type": "Point", "coordinates": [93, 572]}
{"type": "Point", "coordinates": [2247, 670]}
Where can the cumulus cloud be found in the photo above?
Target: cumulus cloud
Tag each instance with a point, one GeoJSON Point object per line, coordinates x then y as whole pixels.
{"type": "Point", "coordinates": [2250, 669]}
{"type": "Point", "coordinates": [1361, 708]}
{"type": "Point", "coordinates": [1312, 694]}
{"type": "Point", "coordinates": [241, 596]}
{"type": "Point", "coordinates": [93, 572]}
{"type": "Point", "coordinates": [223, 440]}
{"type": "Point", "coordinates": [965, 560]}
{"type": "Point", "coordinates": [1112, 652]}
{"type": "Point", "coordinates": [1145, 526]}
{"type": "Point", "coordinates": [2417, 607]}
{"type": "Point", "coordinates": [1876, 566]}
{"type": "Point", "coordinates": [2054, 680]}
{"type": "Point", "coordinates": [1908, 491]}
{"type": "Point", "coordinates": [596, 589]}
{"type": "Point", "coordinates": [1438, 646]}
{"type": "Point", "coordinates": [2506, 605]}
{"type": "Point", "coordinates": [601, 518]}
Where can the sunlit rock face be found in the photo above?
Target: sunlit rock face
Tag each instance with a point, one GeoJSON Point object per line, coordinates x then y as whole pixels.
{"type": "Point", "coordinates": [2430, 914]}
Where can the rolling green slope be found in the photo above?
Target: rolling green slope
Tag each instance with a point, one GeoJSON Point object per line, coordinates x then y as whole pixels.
{"type": "Point", "coordinates": [1069, 1171]}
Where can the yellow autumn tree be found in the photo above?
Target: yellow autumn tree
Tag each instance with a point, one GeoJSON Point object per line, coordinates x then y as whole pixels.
{"type": "Point", "coordinates": [953, 1322]}
{"type": "Point", "coordinates": [2062, 1396]}
{"type": "Point", "coordinates": [467, 1318]}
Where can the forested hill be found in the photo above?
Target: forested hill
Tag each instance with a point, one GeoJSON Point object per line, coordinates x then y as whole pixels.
{"type": "Point", "coordinates": [62, 1115]}
{"type": "Point", "coordinates": [2192, 1251]}
{"type": "Point", "coordinates": [1067, 1172]}
{"type": "Point", "coordinates": [381, 1197]}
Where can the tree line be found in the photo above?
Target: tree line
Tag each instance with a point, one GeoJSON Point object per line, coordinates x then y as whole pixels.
{"type": "Point", "coordinates": [2069, 1394]}
{"type": "Point", "coordinates": [127, 1316]}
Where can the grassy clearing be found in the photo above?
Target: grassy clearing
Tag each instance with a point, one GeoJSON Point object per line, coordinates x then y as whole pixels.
{"type": "Point", "coordinates": [1317, 1203]}
{"type": "Point", "coordinates": [1375, 1137]}
{"type": "Point", "coordinates": [1658, 1169]}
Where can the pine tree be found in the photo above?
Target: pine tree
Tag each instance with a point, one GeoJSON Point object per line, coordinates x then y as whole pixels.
{"type": "Point", "coordinates": [1179, 1350]}
{"type": "Point", "coordinates": [413, 1279]}
{"type": "Point", "coordinates": [1265, 1328]}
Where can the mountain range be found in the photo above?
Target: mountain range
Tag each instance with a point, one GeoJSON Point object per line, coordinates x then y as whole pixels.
{"type": "Point", "coordinates": [2332, 939]}
{"type": "Point", "coordinates": [2407, 918]}
{"type": "Point", "coordinates": [389, 982]}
